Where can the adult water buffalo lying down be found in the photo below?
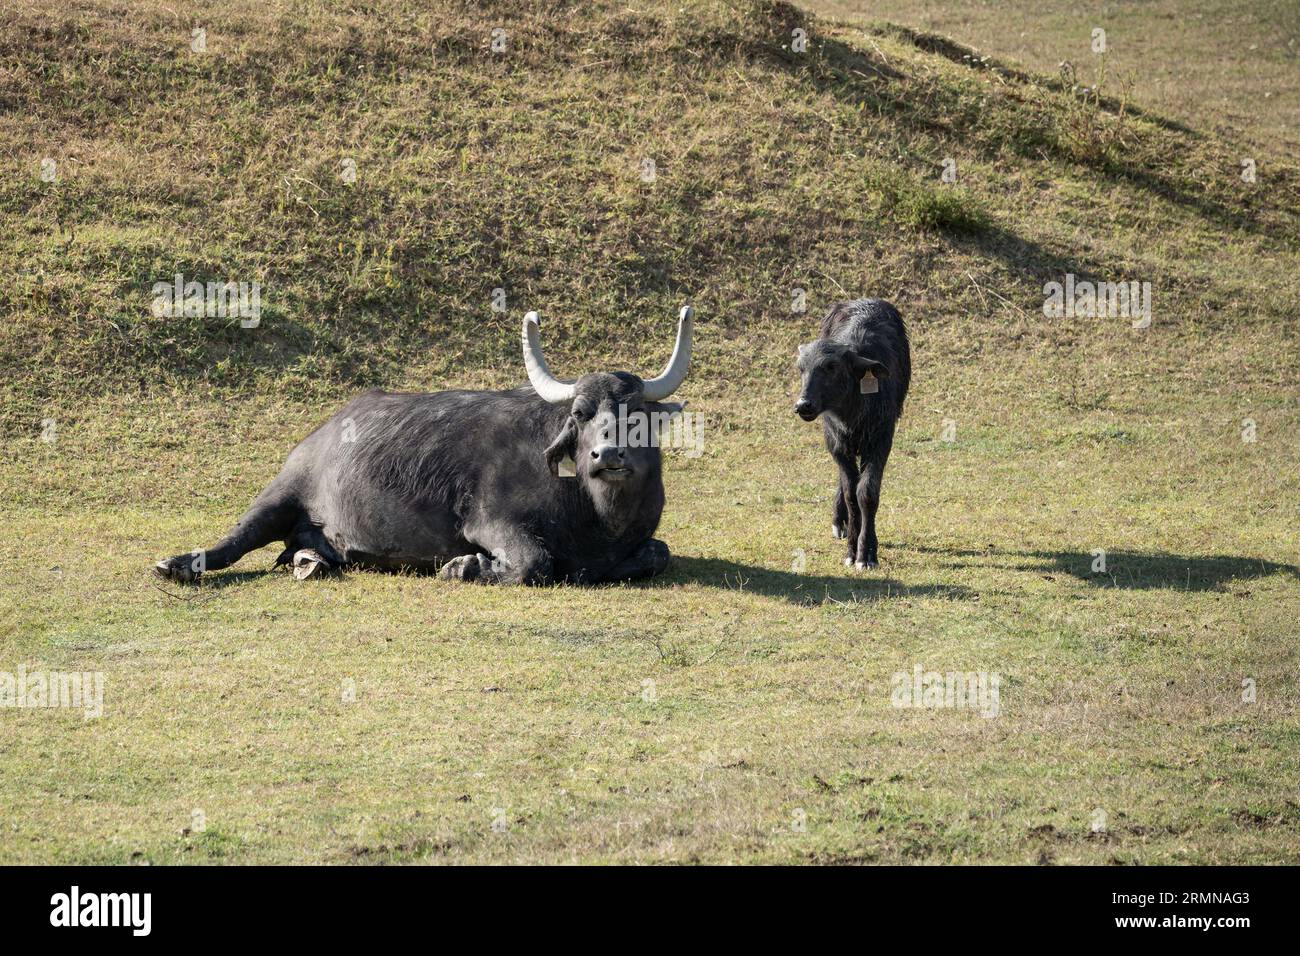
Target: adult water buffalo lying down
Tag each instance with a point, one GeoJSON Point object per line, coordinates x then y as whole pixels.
{"type": "Point", "coordinates": [855, 377]}
{"type": "Point", "coordinates": [524, 486]}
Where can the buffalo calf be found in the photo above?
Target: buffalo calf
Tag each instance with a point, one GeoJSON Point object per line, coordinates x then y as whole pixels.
{"type": "Point", "coordinates": [855, 376]}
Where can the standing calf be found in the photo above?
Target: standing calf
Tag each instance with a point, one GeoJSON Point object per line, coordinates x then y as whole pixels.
{"type": "Point", "coordinates": [856, 376]}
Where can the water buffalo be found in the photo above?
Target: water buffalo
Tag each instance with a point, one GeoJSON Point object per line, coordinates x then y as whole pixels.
{"type": "Point", "coordinates": [856, 376]}
{"type": "Point", "coordinates": [527, 486]}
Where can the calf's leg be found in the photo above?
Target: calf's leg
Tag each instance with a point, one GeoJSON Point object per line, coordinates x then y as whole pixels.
{"type": "Point", "coordinates": [840, 518]}
{"type": "Point", "coordinates": [868, 494]}
{"type": "Point", "coordinates": [868, 497]}
{"type": "Point", "coordinates": [848, 493]}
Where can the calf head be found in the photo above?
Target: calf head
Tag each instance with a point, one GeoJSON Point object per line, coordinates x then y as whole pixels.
{"type": "Point", "coordinates": [831, 377]}
{"type": "Point", "coordinates": [612, 430]}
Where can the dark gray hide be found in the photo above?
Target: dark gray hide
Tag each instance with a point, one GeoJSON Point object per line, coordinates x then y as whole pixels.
{"type": "Point", "coordinates": [863, 338]}
{"type": "Point", "coordinates": [468, 481]}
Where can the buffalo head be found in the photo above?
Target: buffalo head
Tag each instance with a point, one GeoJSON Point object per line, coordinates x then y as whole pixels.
{"type": "Point", "coordinates": [611, 432]}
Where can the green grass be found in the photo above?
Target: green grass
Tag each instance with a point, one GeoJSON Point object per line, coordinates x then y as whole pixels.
{"type": "Point", "coordinates": [734, 709]}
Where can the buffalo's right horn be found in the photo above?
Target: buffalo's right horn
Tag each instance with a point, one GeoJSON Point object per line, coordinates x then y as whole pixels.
{"type": "Point", "coordinates": [544, 383]}
{"type": "Point", "coordinates": [658, 388]}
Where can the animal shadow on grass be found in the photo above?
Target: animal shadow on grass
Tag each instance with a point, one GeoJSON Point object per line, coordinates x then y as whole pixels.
{"type": "Point", "coordinates": [210, 583]}
{"type": "Point", "coordinates": [1131, 570]}
{"type": "Point", "coordinates": [801, 589]}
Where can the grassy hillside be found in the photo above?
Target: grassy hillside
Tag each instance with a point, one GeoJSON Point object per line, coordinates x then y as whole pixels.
{"type": "Point", "coordinates": [522, 171]}
{"type": "Point", "coordinates": [739, 707]}
{"type": "Point", "coordinates": [1213, 64]}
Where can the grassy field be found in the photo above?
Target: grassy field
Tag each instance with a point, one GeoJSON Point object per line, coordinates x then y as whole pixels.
{"type": "Point", "coordinates": [739, 707]}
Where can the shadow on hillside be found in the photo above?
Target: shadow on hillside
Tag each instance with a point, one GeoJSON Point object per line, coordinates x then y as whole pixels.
{"type": "Point", "coordinates": [1130, 570]}
{"type": "Point", "coordinates": [1034, 259]}
{"type": "Point", "coordinates": [853, 76]}
{"type": "Point", "coordinates": [967, 56]}
{"type": "Point", "coordinates": [802, 589]}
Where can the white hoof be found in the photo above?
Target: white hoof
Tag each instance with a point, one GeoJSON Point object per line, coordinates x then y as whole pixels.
{"type": "Point", "coordinates": [837, 532]}
{"type": "Point", "coordinates": [308, 563]}
{"type": "Point", "coordinates": [176, 569]}
{"type": "Point", "coordinates": [464, 568]}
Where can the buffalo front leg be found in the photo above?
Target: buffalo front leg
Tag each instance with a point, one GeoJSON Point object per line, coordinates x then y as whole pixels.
{"type": "Point", "coordinates": [519, 562]}
{"type": "Point", "coordinates": [647, 561]}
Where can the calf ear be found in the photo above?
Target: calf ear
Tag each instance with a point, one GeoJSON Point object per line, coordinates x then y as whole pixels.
{"type": "Point", "coordinates": [861, 366]}
{"type": "Point", "coordinates": [565, 445]}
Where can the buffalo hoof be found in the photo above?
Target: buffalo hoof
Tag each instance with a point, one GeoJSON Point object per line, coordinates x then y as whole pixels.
{"type": "Point", "coordinates": [179, 568]}
{"type": "Point", "coordinates": [837, 532]}
{"type": "Point", "coordinates": [468, 567]}
{"type": "Point", "coordinates": [866, 565]}
{"type": "Point", "coordinates": [310, 564]}
{"type": "Point", "coordinates": [659, 556]}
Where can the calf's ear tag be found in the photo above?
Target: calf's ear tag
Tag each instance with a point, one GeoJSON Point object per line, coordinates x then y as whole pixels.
{"type": "Point", "coordinates": [567, 468]}
{"type": "Point", "coordinates": [870, 384]}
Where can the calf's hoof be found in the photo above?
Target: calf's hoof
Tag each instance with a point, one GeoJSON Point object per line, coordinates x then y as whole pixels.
{"type": "Point", "coordinates": [308, 563]}
{"type": "Point", "coordinates": [179, 569]}
{"type": "Point", "coordinates": [861, 565]}
{"type": "Point", "coordinates": [837, 533]}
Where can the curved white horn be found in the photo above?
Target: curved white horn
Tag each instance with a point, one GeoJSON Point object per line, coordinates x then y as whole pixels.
{"type": "Point", "coordinates": [659, 388]}
{"type": "Point", "coordinates": [546, 384]}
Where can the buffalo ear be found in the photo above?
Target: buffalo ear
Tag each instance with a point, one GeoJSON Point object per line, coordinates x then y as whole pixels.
{"type": "Point", "coordinates": [657, 409]}
{"type": "Point", "coordinates": [672, 409]}
{"type": "Point", "coordinates": [565, 444]}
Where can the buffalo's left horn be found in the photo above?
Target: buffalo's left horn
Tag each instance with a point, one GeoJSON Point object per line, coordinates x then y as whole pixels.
{"type": "Point", "coordinates": [544, 383]}
{"type": "Point", "coordinates": [657, 389]}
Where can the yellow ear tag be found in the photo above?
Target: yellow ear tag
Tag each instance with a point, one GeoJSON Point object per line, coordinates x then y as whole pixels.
{"type": "Point", "coordinates": [870, 384]}
{"type": "Point", "coordinates": [567, 468]}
